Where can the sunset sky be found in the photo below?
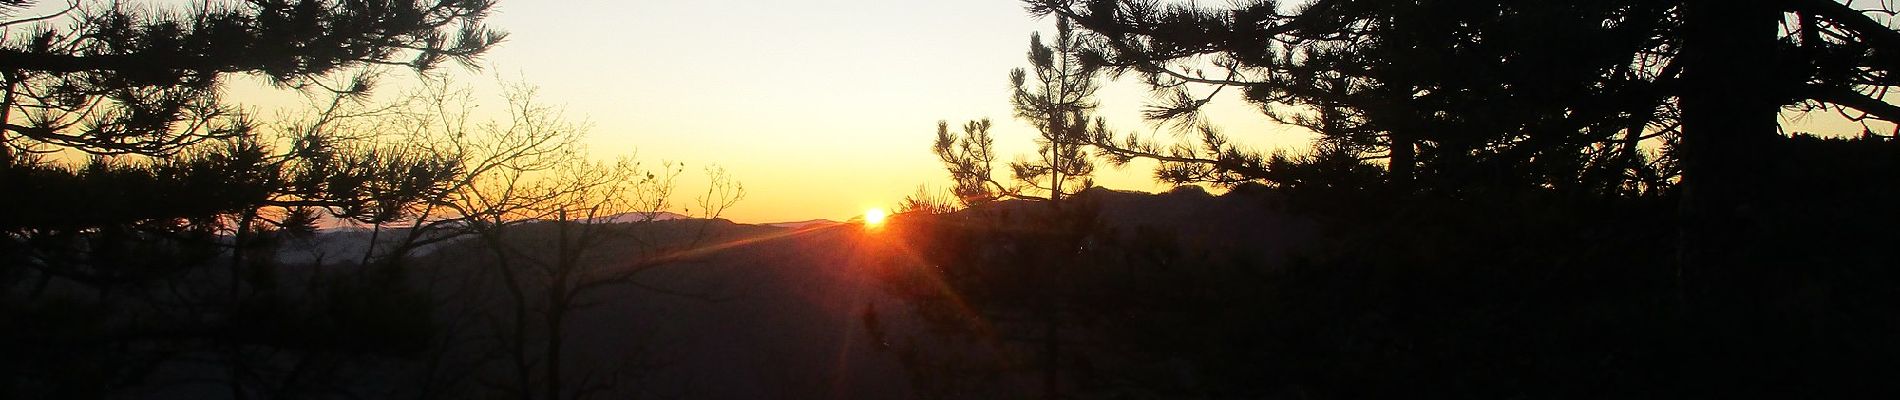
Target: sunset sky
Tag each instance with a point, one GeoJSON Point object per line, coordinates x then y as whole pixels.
{"type": "Point", "coordinates": [821, 108]}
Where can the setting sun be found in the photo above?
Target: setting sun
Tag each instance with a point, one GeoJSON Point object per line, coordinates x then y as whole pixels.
{"type": "Point", "coordinates": [874, 217]}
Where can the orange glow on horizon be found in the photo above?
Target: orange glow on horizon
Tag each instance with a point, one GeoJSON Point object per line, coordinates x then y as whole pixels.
{"type": "Point", "coordinates": [874, 217]}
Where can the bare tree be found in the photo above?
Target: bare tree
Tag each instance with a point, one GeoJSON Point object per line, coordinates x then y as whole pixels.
{"type": "Point", "coordinates": [584, 228]}
{"type": "Point", "coordinates": [554, 230]}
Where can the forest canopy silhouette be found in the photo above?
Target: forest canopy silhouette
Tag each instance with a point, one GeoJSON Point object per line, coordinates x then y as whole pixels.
{"type": "Point", "coordinates": [1504, 199]}
{"type": "Point", "coordinates": [1515, 199]}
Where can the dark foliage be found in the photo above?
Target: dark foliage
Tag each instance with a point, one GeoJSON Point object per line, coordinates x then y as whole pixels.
{"type": "Point", "coordinates": [1517, 200]}
{"type": "Point", "coordinates": [1502, 293]}
{"type": "Point", "coordinates": [121, 79]}
{"type": "Point", "coordinates": [152, 267]}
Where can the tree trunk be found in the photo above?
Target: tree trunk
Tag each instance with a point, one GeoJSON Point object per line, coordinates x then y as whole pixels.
{"type": "Point", "coordinates": [518, 338]}
{"type": "Point", "coordinates": [566, 259]}
{"type": "Point", "coordinates": [1051, 347]}
{"type": "Point", "coordinates": [1728, 125]}
{"type": "Point", "coordinates": [1729, 116]}
{"type": "Point", "coordinates": [555, 315]}
{"type": "Point", "coordinates": [1404, 163]}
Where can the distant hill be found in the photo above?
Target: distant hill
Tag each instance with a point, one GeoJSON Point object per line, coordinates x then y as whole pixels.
{"type": "Point", "coordinates": [790, 319]}
{"type": "Point", "coordinates": [349, 244]}
{"type": "Point", "coordinates": [641, 216]}
{"type": "Point", "coordinates": [344, 243]}
{"type": "Point", "coordinates": [1250, 219]}
{"type": "Point", "coordinates": [803, 224]}
{"type": "Point", "coordinates": [785, 322]}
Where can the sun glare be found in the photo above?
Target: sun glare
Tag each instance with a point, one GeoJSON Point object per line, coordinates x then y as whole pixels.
{"type": "Point", "coordinates": [874, 217]}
